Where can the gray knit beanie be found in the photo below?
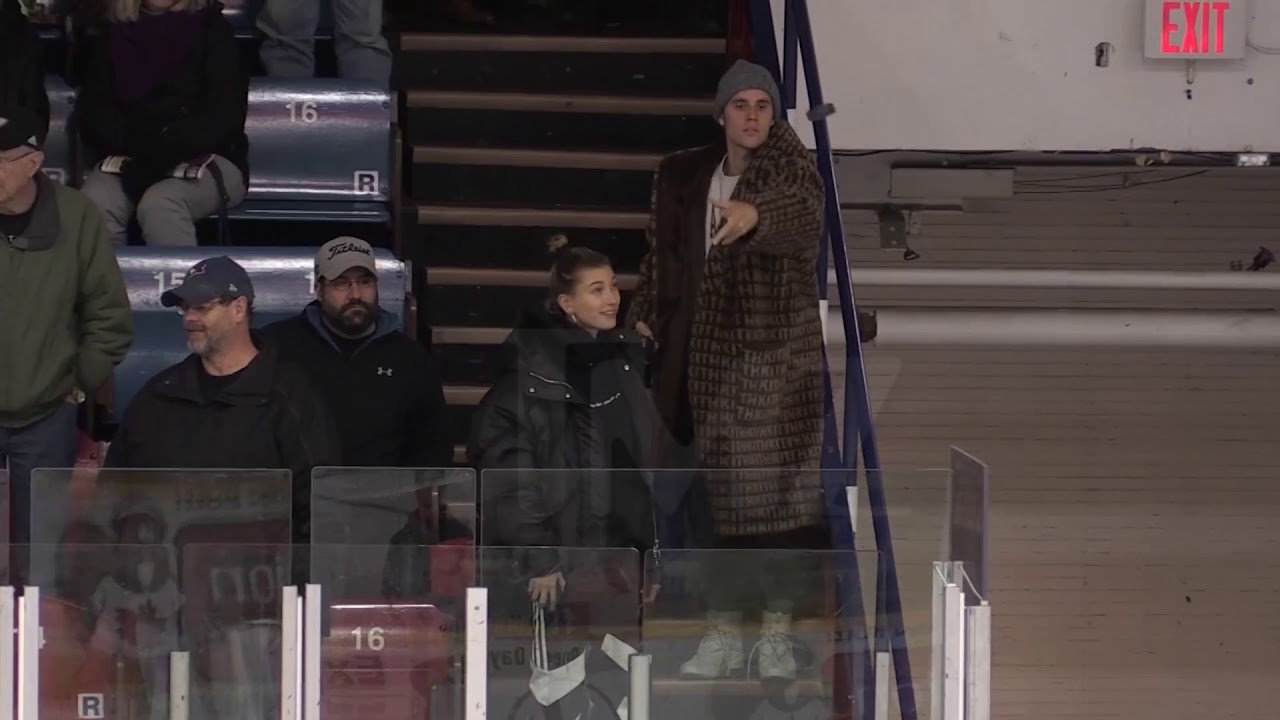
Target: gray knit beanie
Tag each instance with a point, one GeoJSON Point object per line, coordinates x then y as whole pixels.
{"type": "Point", "coordinates": [746, 76]}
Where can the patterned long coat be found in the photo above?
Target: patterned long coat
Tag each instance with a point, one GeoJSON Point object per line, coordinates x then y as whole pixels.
{"type": "Point", "coordinates": [739, 334]}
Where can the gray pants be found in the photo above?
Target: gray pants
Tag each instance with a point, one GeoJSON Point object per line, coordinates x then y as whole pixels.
{"type": "Point", "coordinates": [288, 51]}
{"type": "Point", "coordinates": [168, 210]}
{"type": "Point", "coordinates": [47, 443]}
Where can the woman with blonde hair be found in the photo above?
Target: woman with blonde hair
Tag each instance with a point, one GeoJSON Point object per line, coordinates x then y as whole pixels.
{"type": "Point", "coordinates": [162, 113]}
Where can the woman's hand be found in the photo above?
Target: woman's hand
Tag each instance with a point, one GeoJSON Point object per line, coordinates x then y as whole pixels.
{"type": "Point", "coordinates": [546, 590]}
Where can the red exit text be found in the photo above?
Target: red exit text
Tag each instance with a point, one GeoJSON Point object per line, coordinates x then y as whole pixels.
{"type": "Point", "coordinates": [1194, 27]}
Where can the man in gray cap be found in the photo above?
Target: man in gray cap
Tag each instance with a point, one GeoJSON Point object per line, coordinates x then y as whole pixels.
{"type": "Point", "coordinates": [232, 403]}
{"type": "Point", "coordinates": [728, 293]}
{"type": "Point", "coordinates": [382, 385]}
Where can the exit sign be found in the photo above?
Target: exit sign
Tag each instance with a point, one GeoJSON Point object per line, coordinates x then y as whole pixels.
{"type": "Point", "coordinates": [1206, 30]}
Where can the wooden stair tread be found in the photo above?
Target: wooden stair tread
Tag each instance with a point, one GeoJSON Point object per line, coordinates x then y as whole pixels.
{"type": "Point", "coordinates": [505, 278]}
{"type": "Point", "coordinates": [469, 335]}
{"type": "Point", "coordinates": [531, 217]}
{"type": "Point", "coordinates": [556, 102]}
{"type": "Point", "coordinates": [455, 42]}
{"type": "Point", "coordinates": [520, 157]}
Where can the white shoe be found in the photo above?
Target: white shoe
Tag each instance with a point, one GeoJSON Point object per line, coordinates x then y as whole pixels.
{"type": "Point", "coordinates": [720, 652]}
{"type": "Point", "coordinates": [776, 659]}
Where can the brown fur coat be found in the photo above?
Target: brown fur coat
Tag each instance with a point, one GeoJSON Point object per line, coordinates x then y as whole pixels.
{"type": "Point", "coordinates": [739, 335]}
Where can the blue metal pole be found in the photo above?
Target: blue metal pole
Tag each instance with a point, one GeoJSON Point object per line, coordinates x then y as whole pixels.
{"type": "Point", "coordinates": [790, 46]}
{"type": "Point", "coordinates": [849, 602]}
{"type": "Point", "coordinates": [855, 371]}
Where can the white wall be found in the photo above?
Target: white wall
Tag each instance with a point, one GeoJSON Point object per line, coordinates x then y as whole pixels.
{"type": "Point", "coordinates": [1020, 75]}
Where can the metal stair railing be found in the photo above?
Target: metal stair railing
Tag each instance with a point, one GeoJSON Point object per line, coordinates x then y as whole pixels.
{"type": "Point", "coordinates": [859, 431]}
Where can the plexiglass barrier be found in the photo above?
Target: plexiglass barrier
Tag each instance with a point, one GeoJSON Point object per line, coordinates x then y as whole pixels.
{"type": "Point", "coordinates": [390, 629]}
{"type": "Point", "coordinates": [403, 506]}
{"type": "Point", "coordinates": [758, 633]}
{"type": "Point", "coordinates": [562, 626]}
{"type": "Point", "coordinates": [172, 507]}
{"type": "Point", "coordinates": [738, 606]}
{"type": "Point", "coordinates": [140, 631]}
{"type": "Point", "coordinates": [918, 503]}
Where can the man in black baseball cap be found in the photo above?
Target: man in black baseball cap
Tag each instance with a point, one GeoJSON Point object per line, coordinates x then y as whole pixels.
{"type": "Point", "coordinates": [209, 283]}
{"type": "Point", "coordinates": [232, 403]}
{"type": "Point", "coordinates": [65, 321]}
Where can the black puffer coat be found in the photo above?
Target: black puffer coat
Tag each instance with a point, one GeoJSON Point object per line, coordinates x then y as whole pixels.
{"type": "Point", "coordinates": [564, 441]}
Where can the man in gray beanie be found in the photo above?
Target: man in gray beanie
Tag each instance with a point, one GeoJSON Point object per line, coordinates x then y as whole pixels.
{"type": "Point", "coordinates": [729, 296]}
{"type": "Point", "coordinates": [746, 76]}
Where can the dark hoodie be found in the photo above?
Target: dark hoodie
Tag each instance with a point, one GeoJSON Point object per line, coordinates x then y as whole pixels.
{"type": "Point", "coordinates": [567, 401]}
{"type": "Point", "coordinates": [22, 64]}
{"type": "Point", "coordinates": [384, 390]}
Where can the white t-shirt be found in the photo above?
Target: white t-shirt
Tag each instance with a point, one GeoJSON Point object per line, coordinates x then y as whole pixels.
{"type": "Point", "coordinates": [721, 190]}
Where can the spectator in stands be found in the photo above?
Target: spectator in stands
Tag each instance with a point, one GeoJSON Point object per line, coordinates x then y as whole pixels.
{"type": "Point", "coordinates": [572, 399]}
{"type": "Point", "coordinates": [288, 51]}
{"type": "Point", "coordinates": [383, 386]}
{"type": "Point", "coordinates": [232, 403]}
{"type": "Point", "coordinates": [65, 323]}
{"type": "Point", "coordinates": [22, 64]}
{"type": "Point", "coordinates": [162, 113]}
{"type": "Point", "coordinates": [727, 291]}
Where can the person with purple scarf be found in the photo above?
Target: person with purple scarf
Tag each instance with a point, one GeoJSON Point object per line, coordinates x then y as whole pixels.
{"type": "Point", "coordinates": [162, 114]}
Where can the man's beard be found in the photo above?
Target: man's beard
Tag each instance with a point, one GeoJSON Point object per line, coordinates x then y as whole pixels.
{"type": "Point", "coordinates": [352, 324]}
{"type": "Point", "coordinates": [205, 345]}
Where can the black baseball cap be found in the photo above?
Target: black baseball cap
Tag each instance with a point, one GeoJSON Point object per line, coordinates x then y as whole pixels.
{"type": "Point", "coordinates": [208, 280]}
{"type": "Point", "coordinates": [19, 127]}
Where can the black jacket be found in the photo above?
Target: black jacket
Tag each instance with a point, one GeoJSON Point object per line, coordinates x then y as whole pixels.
{"type": "Point", "coordinates": [569, 402]}
{"type": "Point", "coordinates": [387, 396]}
{"type": "Point", "coordinates": [200, 109]}
{"type": "Point", "coordinates": [22, 64]}
{"type": "Point", "coordinates": [269, 417]}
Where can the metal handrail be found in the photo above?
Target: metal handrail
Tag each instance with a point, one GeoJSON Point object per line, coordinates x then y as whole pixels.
{"type": "Point", "coordinates": [859, 431]}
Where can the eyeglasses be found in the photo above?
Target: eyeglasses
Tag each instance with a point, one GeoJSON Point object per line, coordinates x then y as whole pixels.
{"type": "Point", "coordinates": [202, 309]}
{"type": "Point", "coordinates": [342, 284]}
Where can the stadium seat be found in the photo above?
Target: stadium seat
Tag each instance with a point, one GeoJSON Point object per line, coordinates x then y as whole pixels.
{"type": "Point", "coordinates": [319, 150]}
{"type": "Point", "coordinates": [392, 657]}
{"type": "Point", "coordinates": [282, 283]}
{"type": "Point", "coordinates": [58, 157]}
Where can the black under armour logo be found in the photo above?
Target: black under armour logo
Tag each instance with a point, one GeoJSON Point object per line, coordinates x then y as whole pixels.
{"type": "Point", "coordinates": [384, 371]}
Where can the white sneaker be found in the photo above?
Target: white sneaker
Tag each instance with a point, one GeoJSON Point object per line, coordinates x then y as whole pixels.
{"type": "Point", "coordinates": [720, 652]}
{"type": "Point", "coordinates": [776, 658]}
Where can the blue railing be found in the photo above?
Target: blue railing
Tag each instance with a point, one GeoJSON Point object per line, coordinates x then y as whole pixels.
{"type": "Point", "coordinates": [859, 431]}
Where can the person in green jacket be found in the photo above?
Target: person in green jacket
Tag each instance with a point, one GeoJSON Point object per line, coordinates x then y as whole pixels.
{"type": "Point", "coordinates": [64, 313]}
